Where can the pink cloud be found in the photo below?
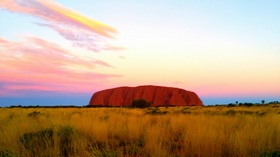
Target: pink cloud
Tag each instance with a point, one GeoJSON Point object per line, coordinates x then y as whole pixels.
{"type": "Point", "coordinates": [37, 64]}
{"type": "Point", "coordinates": [3, 41]}
{"type": "Point", "coordinates": [102, 63]}
{"type": "Point", "coordinates": [81, 30]}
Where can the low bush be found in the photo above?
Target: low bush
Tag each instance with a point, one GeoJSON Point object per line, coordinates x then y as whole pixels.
{"type": "Point", "coordinates": [33, 114]}
{"type": "Point", "coordinates": [38, 142]}
{"type": "Point", "coordinates": [140, 103]}
{"type": "Point", "coordinates": [66, 139]}
{"type": "Point", "coordinates": [7, 153]}
{"type": "Point", "coordinates": [231, 112]}
{"type": "Point", "coordinates": [271, 154]}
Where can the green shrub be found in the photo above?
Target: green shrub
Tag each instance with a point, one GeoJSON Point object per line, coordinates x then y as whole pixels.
{"type": "Point", "coordinates": [7, 153]}
{"type": "Point", "coordinates": [271, 154]}
{"type": "Point", "coordinates": [140, 103]}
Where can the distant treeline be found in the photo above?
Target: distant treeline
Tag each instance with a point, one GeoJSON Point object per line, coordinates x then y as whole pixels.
{"type": "Point", "coordinates": [138, 104]}
{"type": "Point", "coordinates": [251, 104]}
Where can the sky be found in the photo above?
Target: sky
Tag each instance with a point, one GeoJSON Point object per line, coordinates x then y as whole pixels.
{"type": "Point", "coordinates": [59, 52]}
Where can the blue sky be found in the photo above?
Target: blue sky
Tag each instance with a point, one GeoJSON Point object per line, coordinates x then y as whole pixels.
{"type": "Point", "coordinates": [225, 51]}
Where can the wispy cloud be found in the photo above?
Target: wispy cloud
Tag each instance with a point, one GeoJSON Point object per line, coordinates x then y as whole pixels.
{"type": "Point", "coordinates": [122, 57]}
{"type": "Point", "coordinates": [81, 30]}
{"type": "Point", "coordinates": [37, 64]}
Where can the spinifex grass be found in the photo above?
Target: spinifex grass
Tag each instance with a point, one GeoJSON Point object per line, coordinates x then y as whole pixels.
{"type": "Point", "coordinates": [176, 131]}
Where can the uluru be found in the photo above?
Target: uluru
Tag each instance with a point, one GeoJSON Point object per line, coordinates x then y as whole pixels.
{"type": "Point", "coordinates": [156, 95]}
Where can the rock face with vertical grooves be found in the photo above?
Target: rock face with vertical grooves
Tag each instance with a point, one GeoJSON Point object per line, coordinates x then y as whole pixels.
{"type": "Point", "coordinates": [157, 95]}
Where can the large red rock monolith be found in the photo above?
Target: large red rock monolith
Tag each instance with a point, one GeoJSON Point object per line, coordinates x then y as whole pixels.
{"type": "Point", "coordinates": [157, 95]}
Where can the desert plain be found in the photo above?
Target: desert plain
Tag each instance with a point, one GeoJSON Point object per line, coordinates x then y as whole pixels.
{"type": "Point", "coordinates": [194, 131]}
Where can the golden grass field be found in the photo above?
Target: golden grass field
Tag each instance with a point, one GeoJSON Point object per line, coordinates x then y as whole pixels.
{"type": "Point", "coordinates": [153, 132]}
